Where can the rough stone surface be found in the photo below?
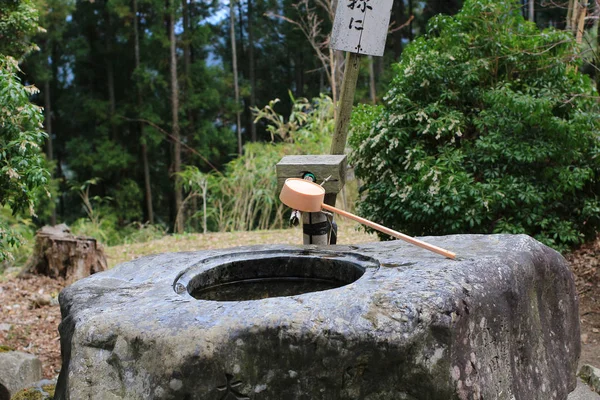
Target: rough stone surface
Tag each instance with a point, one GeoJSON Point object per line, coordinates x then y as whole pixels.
{"type": "Point", "coordinates": [501, 322]}
{"type": "Point", "coordinates": [583, 392]}
{"type": "Point", "coordinates": [17, 371]}
{"type": "Point", "coordinates": [591, 376]}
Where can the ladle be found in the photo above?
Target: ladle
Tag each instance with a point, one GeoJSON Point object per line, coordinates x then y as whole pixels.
{"type": "Point", "coordinates": [306, 196]}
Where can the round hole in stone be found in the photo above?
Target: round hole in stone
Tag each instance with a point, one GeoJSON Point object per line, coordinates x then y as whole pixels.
{"type": "Point", "coordinates": [263, 276]}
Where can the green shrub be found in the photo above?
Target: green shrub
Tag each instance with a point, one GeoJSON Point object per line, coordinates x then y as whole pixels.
{"type": "Point", "coordinates": [487, 127]}
{"type": "Point", "coordinates": [22, 169]}
{"type": "Point", "coordinates": [24, 229]}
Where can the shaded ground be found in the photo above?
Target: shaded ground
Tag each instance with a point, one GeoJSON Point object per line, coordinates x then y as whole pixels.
{"type": "Point", "coordinates": [29, 312]}
{"type": "Point", "coordinates": [585, 264]}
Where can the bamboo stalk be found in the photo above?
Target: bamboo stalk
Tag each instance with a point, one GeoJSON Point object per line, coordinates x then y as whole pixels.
{"type": "Point", "coordinates": [391, 232]}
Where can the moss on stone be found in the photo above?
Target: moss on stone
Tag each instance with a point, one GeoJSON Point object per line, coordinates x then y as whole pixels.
{"type": "Point", "coordinates": [35, 393]}
{"type": "Point", "coordinates": [27, 394]}
{"type": "Point", "coordinates": [4, 349]}
{"type": "Point", "coordinates": [50, 390]}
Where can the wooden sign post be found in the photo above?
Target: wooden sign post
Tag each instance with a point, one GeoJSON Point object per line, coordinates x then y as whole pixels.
{"type": "Point", "coordinates": [360, 28]}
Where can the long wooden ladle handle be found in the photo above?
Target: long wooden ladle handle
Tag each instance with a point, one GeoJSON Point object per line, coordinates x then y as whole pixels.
{"type": "Point", "coordinates": [391, 232]}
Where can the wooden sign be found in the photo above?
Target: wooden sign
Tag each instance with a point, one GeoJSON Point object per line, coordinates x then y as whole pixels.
{"type": "Point", "coordinates": [361, 26]}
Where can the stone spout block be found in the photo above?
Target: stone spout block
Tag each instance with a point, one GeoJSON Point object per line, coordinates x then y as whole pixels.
{"type": "Point", "coordinates": [374, 321]}
{"type": "Point", "coordinates": [322, 166]}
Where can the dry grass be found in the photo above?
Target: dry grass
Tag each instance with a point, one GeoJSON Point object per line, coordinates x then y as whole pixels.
{"type": "Point", "coordinates": [348, 234]}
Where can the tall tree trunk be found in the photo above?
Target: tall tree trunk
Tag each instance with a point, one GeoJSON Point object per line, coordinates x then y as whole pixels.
{"type": "Point", "coordinates": [241, 23]}
{"type": "Point", "coordinates": [398, 10]}
{"type": "Point", "coordinates": [186, 92]}
{"type": "Point", "coordinates": [410, 14]}
{"type": "Point", "coordinates": [179, 223]}
{"type": "Point", "coordinates": [48, 120]}
{"type": "Point", "coordinates": [335, 63]}
{"type": "Point", "coordinates": [574, 16]}
{"type": "Point", "coordinates": [251, 72]}
{"type": "Point", "coordinates": [532, 10]}
{"type": "Point", "coordinates": [597, 29]}
{"type": "Point", "coordinates": [187, 62]}
{"type": "Point", "coordinates": [582, 13]}
{"type": "Point", "coordinates": [235, 74]}
{"type": "Point", "coordinates": [49, 145]}
{"type": "Point", "coordinates": [372, 89]}
{"type": "Point", "coordinates": [110, 76]}
{"type": "Point", "coordinates": [299, 73]}
{"type": "Point", "coordinates": [570, 9]}
{"type": "Point", "coordinates": [144, 148]}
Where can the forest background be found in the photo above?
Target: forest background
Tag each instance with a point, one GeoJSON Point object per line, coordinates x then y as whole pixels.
{"type": "Point", "coordinates": [162, 115]}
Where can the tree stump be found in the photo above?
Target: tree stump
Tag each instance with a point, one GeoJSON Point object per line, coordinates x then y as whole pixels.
{"type": "Point", "coordinates": [59, 253]}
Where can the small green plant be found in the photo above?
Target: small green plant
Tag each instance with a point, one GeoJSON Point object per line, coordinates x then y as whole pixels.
{"type": "Point", "coordinates": [98, 224]}
{"type": "Point", "coordinates": [4, 349]}
{"type": "Point", "coordinates": [24, 228]}
{"type": "Point", "coordinates": [279, 126]}
{"type": "Point", "coordinates": [487, 127]}
{"type": "Point", "coordinates": [137, 232]}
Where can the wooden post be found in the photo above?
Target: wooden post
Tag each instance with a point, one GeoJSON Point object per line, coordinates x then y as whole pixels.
{"type": "Point", "coordinates": [338, 144]}
{"type": "Point", "coordinates": [344, 112]}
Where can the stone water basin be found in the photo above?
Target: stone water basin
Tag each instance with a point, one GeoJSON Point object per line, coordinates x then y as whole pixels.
{"type": "Point", "coordinates": [374, 321]}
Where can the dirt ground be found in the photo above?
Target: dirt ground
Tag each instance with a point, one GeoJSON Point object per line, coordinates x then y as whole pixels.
{"type": "Point", "coordinates": [29, 311]}
{"type": "Point", "coordinates": [585, 264]}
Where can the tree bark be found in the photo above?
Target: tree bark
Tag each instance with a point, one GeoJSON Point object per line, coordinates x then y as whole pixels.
{"type": "Point", "coordinates": [49, 144]}
{"type": "Point", "coordinates": [398, 10]}
{"type": "Point", "coordinates": [597, 29]}
{"type": "Point", "coordinates": [235, 74]}
{"type": "Point", "coordinates": [60, 254]}
{"type": "Point", "coordinates": [574, 11]}
{"type": "Point", "coordinates": [179, 223]}
{"type": "Point", "coordinates": [241, 23]}
{"type": "Point", "coordinates": [144, 148]}
{"type": "Point", "coordinates": [299, 74]}
{"type": "Point", "coordinates": [570, 8]}
{"type": "Point", "coordinates": [110, 76]}
{"type": "Point", "coordinates": [338, 143]}
{"type": "Point", "coordinates": [187, 62]}
{"type": "Point", "coordinates": [372, 89]}
{"type": "Point", "coordinates": [410, 13]}
{"type": "Point", "coordinates": [532, 10]}
{"type": "Point", "coordinates": [251, 72]}
{"type": "Point", "coordinates": [48, 120]}
{"type": "Point", "coordinates": [582, 13]}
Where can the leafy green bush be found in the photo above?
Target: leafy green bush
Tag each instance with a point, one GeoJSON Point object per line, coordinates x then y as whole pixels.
{"type": "Point", "coordinates": [18, 23]}
{"type": "Point", "coordinates": [22, 169]}
{"type": "Point", "coordinates": [24, 229]}
{"type": "Point", "coordinates": [487, 127]}
{"type": "Point", "coordinates": [21, 162]}
{"type": "Point", "coordinates": [245, 196]}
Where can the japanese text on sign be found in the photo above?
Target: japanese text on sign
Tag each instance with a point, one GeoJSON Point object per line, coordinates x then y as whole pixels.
{"type": "Point", "coordinates": [361, 26]}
